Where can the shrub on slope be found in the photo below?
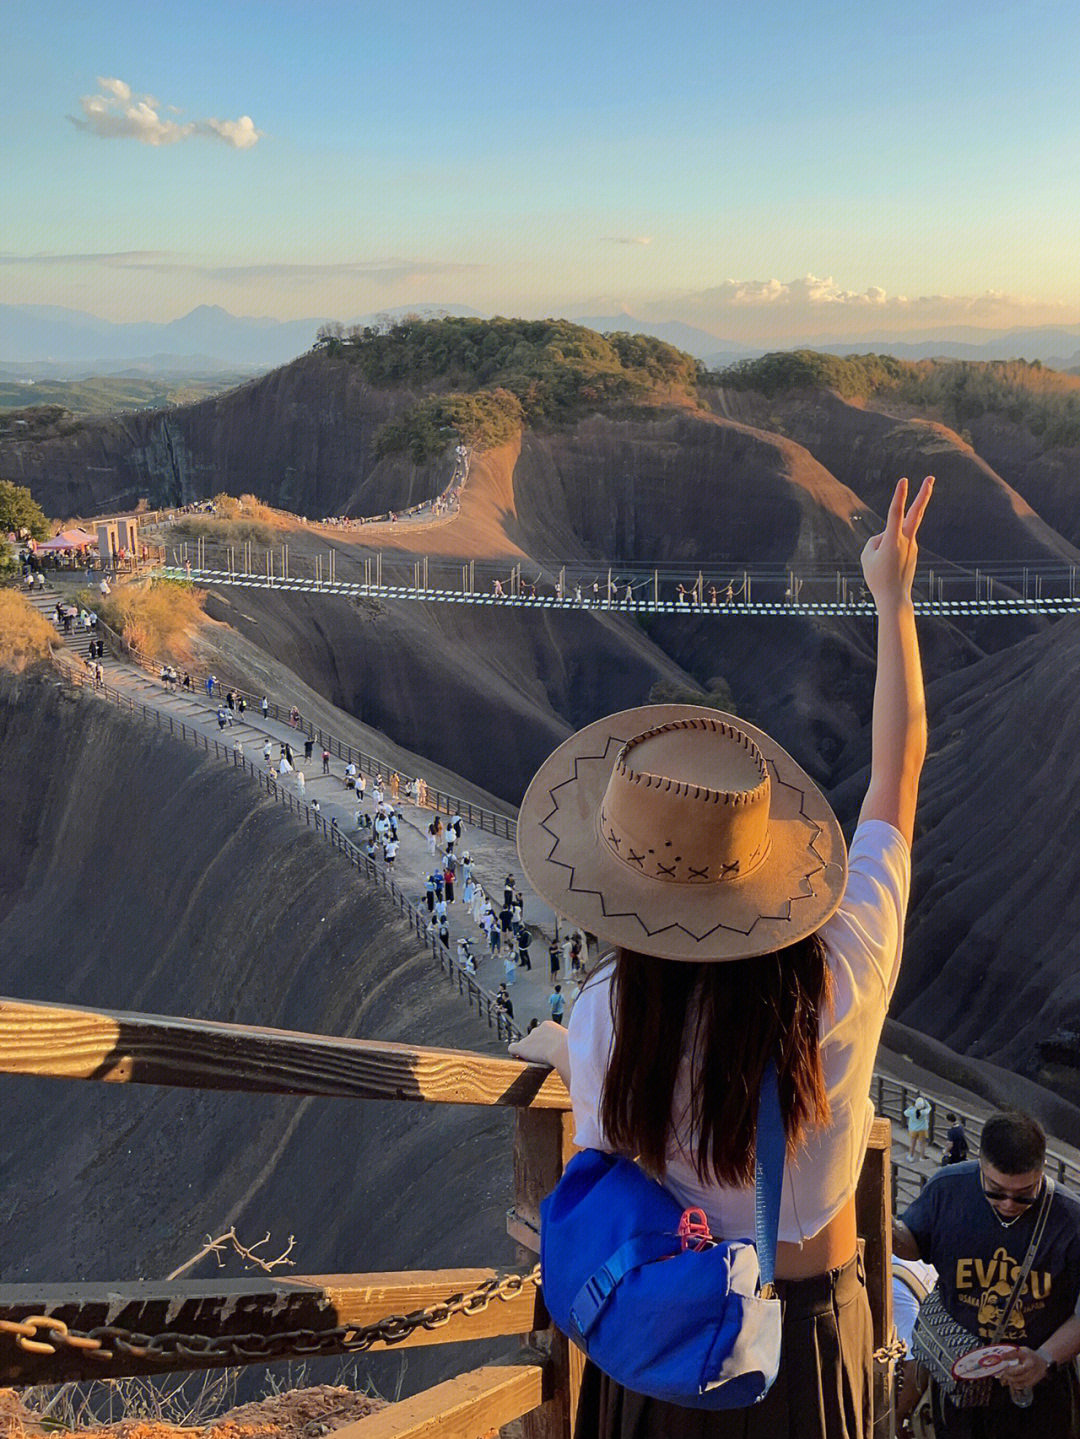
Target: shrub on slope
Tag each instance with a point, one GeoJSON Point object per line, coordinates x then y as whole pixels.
{"type": "Point", "coordinates": [156, 618]}
{"type": "Point", "coordinates": [25, 636]}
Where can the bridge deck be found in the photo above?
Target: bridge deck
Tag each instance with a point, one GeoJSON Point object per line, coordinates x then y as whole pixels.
{"type": "Point", "coordinates": [739, 607]}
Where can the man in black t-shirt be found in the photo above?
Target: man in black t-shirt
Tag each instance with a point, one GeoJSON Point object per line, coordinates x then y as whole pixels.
{"type": "Point", "coordinates": [956, 1143]}
{"type": "Point", "coordinates": [974, 1222]}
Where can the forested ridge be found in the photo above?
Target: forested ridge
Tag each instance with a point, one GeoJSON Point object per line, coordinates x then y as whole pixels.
{"type": "Point", "coordinates": [493, 376]}
{"type": "Point", "coordinates": [1045, 402]}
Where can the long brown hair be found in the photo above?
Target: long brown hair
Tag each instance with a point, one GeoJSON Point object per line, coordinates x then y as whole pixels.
{"type": "Point", "coordinates": [730, 1019]}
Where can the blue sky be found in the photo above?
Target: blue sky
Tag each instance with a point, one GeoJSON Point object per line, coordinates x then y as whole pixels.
{"type": "Point", "coordinates": [776, 170]}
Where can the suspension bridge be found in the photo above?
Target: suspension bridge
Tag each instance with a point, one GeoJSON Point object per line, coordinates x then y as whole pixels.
{"type": "Point", "coordinates": [752, 593]}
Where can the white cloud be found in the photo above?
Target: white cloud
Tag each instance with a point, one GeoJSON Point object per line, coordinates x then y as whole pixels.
{"type": "Point", "coordinates": [241, 134]}
{"type": "Point", "coordinates": [116, 113]}
{"type": "Point", "coordinates": [384, 271]}
{"type": "Point", "coordinates": [628, 239]}
{"type": "Point", "coordinates": [809, 290]}
{"type": "Point", "coordinates": [116, 88]}
{"type": "Point", "coordinates": [812, 308]}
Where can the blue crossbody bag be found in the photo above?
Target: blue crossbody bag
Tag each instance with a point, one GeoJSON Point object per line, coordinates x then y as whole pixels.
{"type": "Point", "coordinates": [699, 1327]}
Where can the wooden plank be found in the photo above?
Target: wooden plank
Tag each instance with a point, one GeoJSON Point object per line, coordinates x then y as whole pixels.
{"type": "Point", "coordinates": [873, 1217]}
{"type": "Point", "coordinates": [316, 1302]}
{"type": "Point", "coordinates": [468, 1407]}
{"type": "Point", "coordinates": [543, 1142]}
{"type": "Point", "coordinates": [70, 1042]}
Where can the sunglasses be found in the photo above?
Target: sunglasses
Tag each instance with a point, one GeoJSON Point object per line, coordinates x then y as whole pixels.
{"type": "Point", "coordinates": [1002, 1196]}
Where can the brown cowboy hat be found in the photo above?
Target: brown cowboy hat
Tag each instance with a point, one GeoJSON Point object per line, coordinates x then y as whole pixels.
{"type": "Point", "coordinates": [684, 833]}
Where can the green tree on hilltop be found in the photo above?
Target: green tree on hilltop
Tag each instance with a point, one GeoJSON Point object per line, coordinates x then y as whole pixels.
{"type": "Point", "coordinates": [486, 379]}
{"type": "Point", "coordinates": [20, 511]}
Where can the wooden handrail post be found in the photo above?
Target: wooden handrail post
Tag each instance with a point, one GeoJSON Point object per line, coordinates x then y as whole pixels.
{"type": "Point", "coordinates": [543, 1143]}
{"type": "Point", "coordinates": [873, 1218]}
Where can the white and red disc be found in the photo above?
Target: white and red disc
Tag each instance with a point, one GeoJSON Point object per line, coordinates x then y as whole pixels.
{"type": "Point", "coordinates": [984, 1363]}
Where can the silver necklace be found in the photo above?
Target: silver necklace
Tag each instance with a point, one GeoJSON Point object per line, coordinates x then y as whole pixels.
{"type": "Point", "coordinates": [1005, 1223]}
{"type": "Point", "coordinates": [1008, 1223]}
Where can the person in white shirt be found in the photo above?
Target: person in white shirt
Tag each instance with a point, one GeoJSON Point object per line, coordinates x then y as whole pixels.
{"type": "Point", "coordinates": [740, 937]}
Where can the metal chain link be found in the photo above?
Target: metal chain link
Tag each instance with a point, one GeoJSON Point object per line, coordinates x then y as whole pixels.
{"type": "Point", "coordinates": [344, 1339]}
{"type": "Point", "coordinates": [891, 1353]}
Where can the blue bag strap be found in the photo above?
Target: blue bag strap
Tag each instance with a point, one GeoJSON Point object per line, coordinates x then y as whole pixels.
{"type": "Point", "coordinates": [592, 1297]}
{"type": "Point", "coordinates": [770, 1148]}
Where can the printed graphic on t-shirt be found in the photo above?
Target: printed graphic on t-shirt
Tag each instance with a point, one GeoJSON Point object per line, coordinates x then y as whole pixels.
{"type": "Point", "coordinates": [985, 1286]}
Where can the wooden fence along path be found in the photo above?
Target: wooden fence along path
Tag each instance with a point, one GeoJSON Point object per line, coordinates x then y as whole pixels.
{"type": "Point", "coordinates": [51, 1333]}
{"type": "Point", "coordinates": [501, 825]}
{"type": "Point", "coordinates": [476, 816]}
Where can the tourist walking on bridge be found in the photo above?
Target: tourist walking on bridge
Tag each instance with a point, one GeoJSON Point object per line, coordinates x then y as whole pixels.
{"type": "Point", "coordinates": [749, 957]}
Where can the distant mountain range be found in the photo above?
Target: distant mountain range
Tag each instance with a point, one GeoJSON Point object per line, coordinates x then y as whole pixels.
{"type": "Point", "coordinates": [1058, 346]}
{"type": "Point", "coordinates": [50, 342]}
{"type": "Point", "coordinates": [696, 342]}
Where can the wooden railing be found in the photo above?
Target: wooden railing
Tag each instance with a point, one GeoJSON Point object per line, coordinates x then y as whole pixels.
{"type": "Point", "coordinates": [540, 1387]}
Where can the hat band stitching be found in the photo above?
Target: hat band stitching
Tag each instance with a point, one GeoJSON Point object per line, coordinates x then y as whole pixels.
{"type": "Point", "coordinates": [684, 787]}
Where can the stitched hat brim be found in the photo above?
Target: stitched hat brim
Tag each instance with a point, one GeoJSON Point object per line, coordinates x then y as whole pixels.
{"type": "Point", "coordinates": [788, 896]}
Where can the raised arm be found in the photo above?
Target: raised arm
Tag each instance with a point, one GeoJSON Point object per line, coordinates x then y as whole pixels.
{"type": "Point", "coordinates": [899, 722]}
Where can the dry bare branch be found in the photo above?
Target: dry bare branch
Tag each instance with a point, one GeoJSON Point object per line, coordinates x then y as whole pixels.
{"type": "Point", "coordinates": [219, 1245]}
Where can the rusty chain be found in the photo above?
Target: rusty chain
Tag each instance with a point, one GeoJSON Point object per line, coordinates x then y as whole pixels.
{"type": "Point", "coordinates": [104, 1341]}
{"type": "Point", "coordinates": [344, 1339]}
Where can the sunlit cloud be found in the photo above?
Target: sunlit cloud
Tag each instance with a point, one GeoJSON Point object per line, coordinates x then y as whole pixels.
{"type": "Point", "coordinates": [812, 305]}
{"type": "Point", "coordinates": [240, 134]}
{"type": "Point", "coordinates": [116, 113]}
{"type": "Point", "coordinates": [628, 239]}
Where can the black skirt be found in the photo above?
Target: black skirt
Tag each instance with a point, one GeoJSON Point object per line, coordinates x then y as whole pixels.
{"type": "Point", "coordinates": [824, 1389]}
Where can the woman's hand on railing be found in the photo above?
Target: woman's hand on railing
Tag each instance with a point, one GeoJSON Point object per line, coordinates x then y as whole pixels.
{"type": "Point", "coordinates": [546, 1044]}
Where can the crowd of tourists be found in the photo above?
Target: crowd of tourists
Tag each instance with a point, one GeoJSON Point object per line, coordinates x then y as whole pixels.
{"type": "Point", "coordinates": [605, 593]}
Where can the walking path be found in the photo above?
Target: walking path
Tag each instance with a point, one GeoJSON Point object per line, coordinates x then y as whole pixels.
{"type": "Point", "coordinates": [493, 858]}
{"type": "Point", "coordinates": [739, 607]}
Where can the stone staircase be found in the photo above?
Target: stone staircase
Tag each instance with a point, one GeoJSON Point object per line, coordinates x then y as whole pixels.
{"type": "Point", "coordinates": [192, 706]}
